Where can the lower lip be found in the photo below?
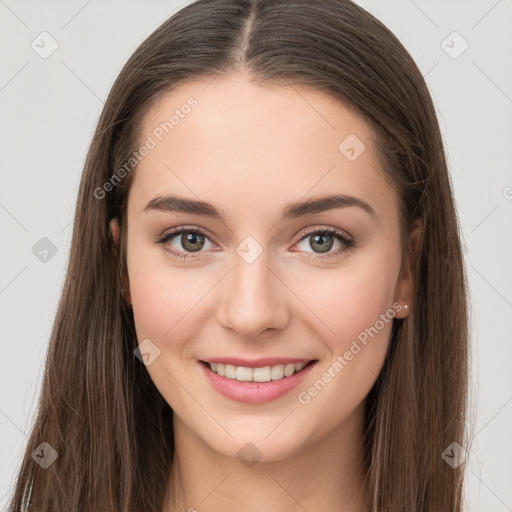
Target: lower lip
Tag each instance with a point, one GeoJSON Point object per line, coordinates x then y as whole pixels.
{"type": "Point", "coordinates": [255, 392]}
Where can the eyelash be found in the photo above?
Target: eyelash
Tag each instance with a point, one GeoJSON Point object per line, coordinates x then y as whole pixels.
{"type": "Point", "coordinates": [339, 235]}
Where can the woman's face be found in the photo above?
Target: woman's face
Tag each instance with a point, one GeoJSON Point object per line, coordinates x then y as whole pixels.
{"type": "Point", "coordinates": [257, 282]}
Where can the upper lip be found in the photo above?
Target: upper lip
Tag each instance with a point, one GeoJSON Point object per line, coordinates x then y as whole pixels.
{"type": "Point", "coordinates": [256, 363]}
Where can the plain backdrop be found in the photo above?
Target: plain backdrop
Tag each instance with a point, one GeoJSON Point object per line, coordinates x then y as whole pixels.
{"type": "Point", "coordinates": [50, 105]}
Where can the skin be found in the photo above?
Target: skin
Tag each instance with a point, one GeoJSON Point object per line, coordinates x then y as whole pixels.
{"type": "Point", "coordinates": [232, 150]}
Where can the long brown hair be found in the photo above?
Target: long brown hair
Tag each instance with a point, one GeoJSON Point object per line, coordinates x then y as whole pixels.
{"type": "Point", "coordinates": [99, 409]}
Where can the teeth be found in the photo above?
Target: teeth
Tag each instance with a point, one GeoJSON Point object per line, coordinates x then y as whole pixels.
{"type": "Point", "coordinates": [264, 374]}
{"type": "Point", "coordinates": [230, 371]}
{"type": "Point", "coordinates": [239, 373]}
{"type": "Point", "coordinates": [289, 369]}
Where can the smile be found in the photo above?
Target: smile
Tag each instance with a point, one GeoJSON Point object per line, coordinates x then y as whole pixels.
{"type": "Point", "coordinates": [263, 374]}
{"type": "Point", "coordinates": [255, 385]}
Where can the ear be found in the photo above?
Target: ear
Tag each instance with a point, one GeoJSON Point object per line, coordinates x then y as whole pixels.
{"type": "Point", "coordinates": [404, 291]}
{"type": "Point", "coordinates": [114, 229]}
{"type": "Point", "coordinates": [125, 283]}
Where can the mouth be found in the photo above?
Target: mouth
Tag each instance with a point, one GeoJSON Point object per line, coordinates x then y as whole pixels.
{"type": "Point", "coordinates": [255, 385]}
{"type": "Point", "coordinates": [260, 374]}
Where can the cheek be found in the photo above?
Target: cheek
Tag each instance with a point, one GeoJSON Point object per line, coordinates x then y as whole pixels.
{"type": "Point", "coordinates": [168, 302]}
{"type": "Point", "coordinates": [159, 296]}
{"type": "Point", "coordinates": [351, 299]}
{"type": "Point", "coordinates": [164, 301]}
{"type": "Point", "coordinates": [357, 307]}
{"type": "Point", "coordinates": [355, 302]}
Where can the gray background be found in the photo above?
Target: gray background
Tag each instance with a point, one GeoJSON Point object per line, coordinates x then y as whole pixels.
{"type": "Point", "coordinates": [49, 110]}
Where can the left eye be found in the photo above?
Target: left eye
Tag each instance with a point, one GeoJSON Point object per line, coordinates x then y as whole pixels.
{"type": "Point", "coordinates": [322, 241]}
{"type": "Point", "coordinates": [319, 241]}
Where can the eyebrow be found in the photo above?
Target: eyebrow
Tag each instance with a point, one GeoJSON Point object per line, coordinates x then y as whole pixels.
{"type": "Point", "coordinates": [293, 210]}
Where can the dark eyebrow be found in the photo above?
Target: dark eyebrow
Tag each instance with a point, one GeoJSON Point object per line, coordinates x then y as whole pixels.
{"type": "Point", "coordinates": [291, 211]}
{"type": "Point", "coordinates": [322, 204]}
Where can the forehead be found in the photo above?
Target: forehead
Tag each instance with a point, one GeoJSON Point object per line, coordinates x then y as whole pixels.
{"type": "Point", "coordinates": [234, 142]}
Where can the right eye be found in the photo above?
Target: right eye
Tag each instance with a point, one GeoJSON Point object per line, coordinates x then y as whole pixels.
{"type": "Point", "coordinates": [188, 241]}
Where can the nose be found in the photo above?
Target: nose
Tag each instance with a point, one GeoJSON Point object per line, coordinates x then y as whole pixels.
{"type": "Point", "coordinates": [254, 298]}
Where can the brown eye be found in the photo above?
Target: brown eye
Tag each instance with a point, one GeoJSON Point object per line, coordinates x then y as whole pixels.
{"type": "Point", "coordinates": [183, 242]}
{"type": "Point", "coordinates": [192, 241]}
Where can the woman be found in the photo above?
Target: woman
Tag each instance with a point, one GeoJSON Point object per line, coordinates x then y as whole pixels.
{"type": "Point", "coordinates": [265, 302]}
